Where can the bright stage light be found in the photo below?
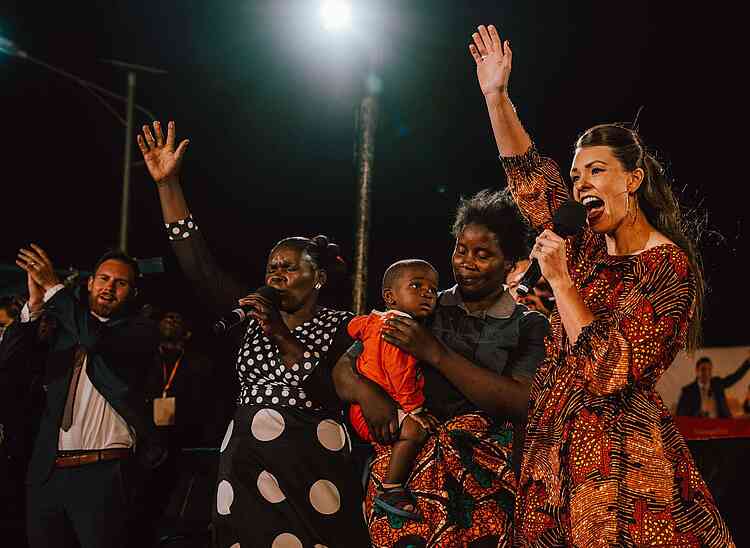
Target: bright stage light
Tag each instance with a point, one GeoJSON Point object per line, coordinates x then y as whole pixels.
{"type": "Point", "coordinates": [336, 14]}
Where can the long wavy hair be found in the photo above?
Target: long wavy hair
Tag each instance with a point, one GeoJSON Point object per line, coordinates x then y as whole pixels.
{"type": "Point", "coordinates": [658, 203]}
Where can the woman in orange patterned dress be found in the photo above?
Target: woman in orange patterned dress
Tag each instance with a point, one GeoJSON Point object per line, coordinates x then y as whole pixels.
{"type": "Point", "coordinates": [604, 464]}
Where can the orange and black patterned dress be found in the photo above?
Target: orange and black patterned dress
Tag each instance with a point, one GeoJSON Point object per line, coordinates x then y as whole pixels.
{"type": "Point", "coordinates": [604, 464]}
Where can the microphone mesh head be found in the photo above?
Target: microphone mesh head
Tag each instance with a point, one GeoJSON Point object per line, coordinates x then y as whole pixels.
{"type": "Point", "coordinates": [569, 219]}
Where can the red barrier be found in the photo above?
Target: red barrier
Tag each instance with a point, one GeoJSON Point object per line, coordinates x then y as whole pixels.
{"type": "Point", "coordinates": [697, 428]}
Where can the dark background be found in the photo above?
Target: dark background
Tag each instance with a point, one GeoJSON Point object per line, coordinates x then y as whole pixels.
{"type": "Point", "coordinates": [268, 103]}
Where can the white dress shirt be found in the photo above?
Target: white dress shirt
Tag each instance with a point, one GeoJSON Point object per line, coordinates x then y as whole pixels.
{"type": "Point", "coordinates": [96, 425]}
{"type": "Point", "coordinates": [708, 401]}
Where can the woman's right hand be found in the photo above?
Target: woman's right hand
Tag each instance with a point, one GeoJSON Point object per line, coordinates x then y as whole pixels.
{"type": "Point", "coordinates": [380, 412]}
{"type": "Point", "coordinates": [493, 59]}
{"type": "Point", "coordinates": [267, 315]}
{"type": "Point", "coordinates": [162, 160]}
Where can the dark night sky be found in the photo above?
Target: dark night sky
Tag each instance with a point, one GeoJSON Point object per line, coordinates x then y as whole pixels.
{"type": "Point", "coordinates": [268, 104]}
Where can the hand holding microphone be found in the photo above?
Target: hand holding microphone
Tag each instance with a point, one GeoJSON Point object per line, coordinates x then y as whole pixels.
{"type": "Point", "coordinates": [549, 249]}
{"type": "Point", "coordinates": [263, 305]}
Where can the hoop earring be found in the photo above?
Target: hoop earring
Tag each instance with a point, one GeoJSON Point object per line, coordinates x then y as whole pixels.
{"type": "Point", "coordinates": [635, 210]}
{"type": "Point", "coordinates": [318, 285]}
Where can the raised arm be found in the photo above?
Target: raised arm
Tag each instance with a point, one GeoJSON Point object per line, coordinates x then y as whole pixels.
{"type": "Point", "coordinates": [216, 287]}
{"type": "Point", "coordinates": [534, 181]}
{"type": "Point", "coordinates": [494, 59]}
{"type": "Point", "coordinates": [735, 377]}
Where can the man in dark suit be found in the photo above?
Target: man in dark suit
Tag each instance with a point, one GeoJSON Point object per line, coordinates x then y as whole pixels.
{"type": "Point", "coordinates": [705, 396]}
{"type": "Point", "coordinates": [81, 463]}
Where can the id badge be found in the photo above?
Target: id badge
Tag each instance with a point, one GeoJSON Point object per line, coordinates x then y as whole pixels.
{"type": "Point", "coordinates": [164, 411]}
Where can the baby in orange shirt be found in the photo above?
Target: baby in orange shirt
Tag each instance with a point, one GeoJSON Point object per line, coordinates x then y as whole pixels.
{"type": "Point", "coordinates": [409, 289]}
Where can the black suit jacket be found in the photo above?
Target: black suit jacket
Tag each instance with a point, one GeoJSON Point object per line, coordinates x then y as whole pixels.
{"type": "Point", "coordinates": [119, 355]}
{"type": "Point", "coordinates": [690, 398]}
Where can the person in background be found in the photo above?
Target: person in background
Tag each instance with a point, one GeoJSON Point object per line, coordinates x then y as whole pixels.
{"type": "Point", "coordinates": [186, 376]}
{"type": "Point", "coordinates": [14, 382]}
{"type": "Point", "coordinates": [182, 398]}
{"type": "Point", "coordinates": [540, 298]}
{"type": "Point", "coordinates": [705, 396]}
{"type": "Point", "coordinates": [80, 471]}
{"type": "Point", "coordinates": [9, 312]}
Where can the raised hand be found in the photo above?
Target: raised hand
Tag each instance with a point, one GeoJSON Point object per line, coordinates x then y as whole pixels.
{"type": "Point", "coordinates": [493, 59]}
{"type": "Point", "coordinates": [38, 266]}
{"type": "Point", "coordinates": [162, 160]}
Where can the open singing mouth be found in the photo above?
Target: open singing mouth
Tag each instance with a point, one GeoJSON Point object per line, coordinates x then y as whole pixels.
{"type": "Point", "coordinates": [594, 207]}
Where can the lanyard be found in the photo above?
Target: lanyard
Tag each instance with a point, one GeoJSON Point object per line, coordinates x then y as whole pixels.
{"type": "Point", "coordinates": [171, 376]}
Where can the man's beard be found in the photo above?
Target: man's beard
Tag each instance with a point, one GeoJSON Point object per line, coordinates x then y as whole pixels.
{"type": "Point", "coordinates": [103, 309]}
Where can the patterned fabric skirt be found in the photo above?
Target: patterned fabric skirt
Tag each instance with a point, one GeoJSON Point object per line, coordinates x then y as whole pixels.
{"type": "Point", "coordinates": [286, 480]}
{"type": "Point", "coordinates": [464, 484]}
{"type": "Point", "coordinates": [611, 471]}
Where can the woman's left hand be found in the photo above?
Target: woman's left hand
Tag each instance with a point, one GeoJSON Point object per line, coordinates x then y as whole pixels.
{"type": "Point", "coordinates": [413, 338]}
{"type": "Point", "coordinates": [549, 251]}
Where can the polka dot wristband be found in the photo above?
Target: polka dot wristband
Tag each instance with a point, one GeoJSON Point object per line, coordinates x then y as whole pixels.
{"type": "Point", "coordinates": [182, 229]}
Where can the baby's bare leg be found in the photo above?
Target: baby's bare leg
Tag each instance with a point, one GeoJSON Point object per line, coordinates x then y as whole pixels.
{"type": "Point", "coordinates": [411, 439]}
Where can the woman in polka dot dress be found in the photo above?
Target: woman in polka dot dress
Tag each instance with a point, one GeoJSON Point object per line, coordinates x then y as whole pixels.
{"type": "Point", "coordinates": [286, 479]}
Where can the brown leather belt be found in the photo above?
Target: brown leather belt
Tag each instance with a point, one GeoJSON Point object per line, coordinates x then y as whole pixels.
{"type": "Point", "coordinates": [69, 459]}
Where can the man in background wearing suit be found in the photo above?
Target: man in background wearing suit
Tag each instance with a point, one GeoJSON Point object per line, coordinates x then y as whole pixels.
{"type": "Point", "coordinates": [705, 396]}
{"type": "Point", "coordinates": [93, 421]}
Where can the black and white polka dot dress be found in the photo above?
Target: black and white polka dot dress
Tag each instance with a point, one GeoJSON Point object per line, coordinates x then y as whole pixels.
{"type": "Point", "coordinates": [264, 379]}
{"type": "Point", "coordinates": [286, 479]}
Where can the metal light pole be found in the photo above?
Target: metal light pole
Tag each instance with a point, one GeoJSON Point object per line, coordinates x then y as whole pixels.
{"type": "Point", "coordinates": [337, 16]}
{"type": "Point", "coordinates": [127, 155]}
{"type": "Point", "coordinates": [367, 123]}
{"type": "Point", "coordinates": [125, 206]}
{"type": "Point", "coordinates": [99, 92]}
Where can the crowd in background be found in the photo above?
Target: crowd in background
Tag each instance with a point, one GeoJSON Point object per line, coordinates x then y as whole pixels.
{"type": "Point", "coordinates": [178, 369]}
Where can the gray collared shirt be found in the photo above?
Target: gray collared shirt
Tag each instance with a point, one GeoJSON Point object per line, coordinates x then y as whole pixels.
{"type": "Point", "coordinates": [505, 338]}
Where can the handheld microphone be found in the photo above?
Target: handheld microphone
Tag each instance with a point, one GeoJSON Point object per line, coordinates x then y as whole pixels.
{"type": "Point", "coordinates": [239, 314]}
{"type": "Point", "coordinates": [569, 219]}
